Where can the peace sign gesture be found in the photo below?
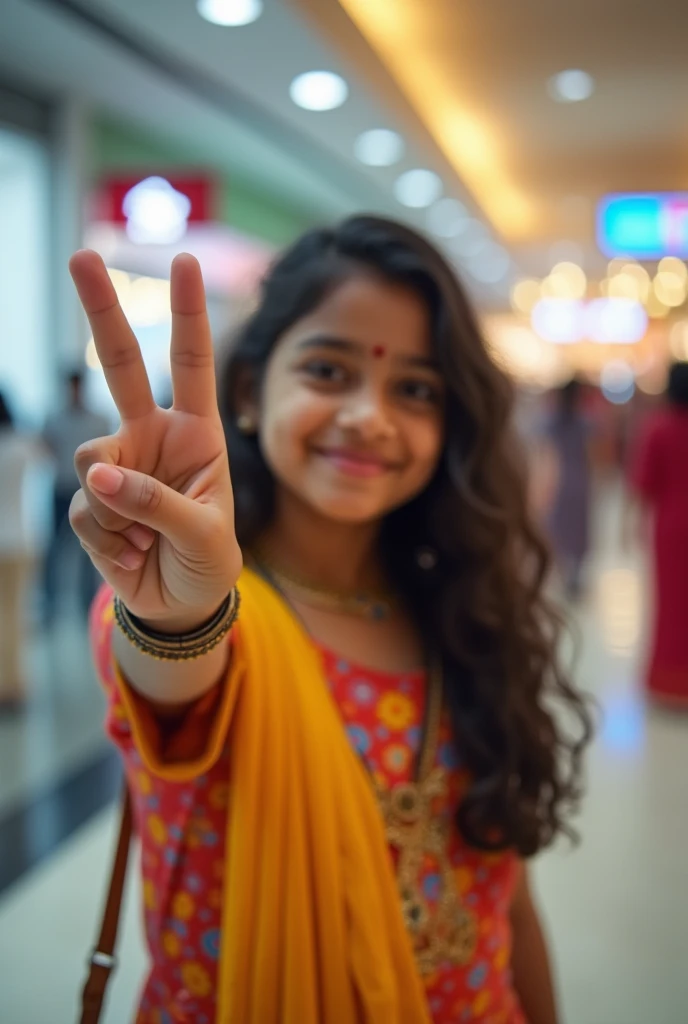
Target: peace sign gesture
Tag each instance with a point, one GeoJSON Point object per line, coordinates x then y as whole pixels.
{"type": "Point", "coordinates": [155, 511]}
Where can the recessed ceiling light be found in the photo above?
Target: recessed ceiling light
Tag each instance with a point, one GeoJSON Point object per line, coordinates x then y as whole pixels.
{"type": "Point", "coordinates": [230, 12]}
{"type": "Point", "coordinates": [379, 147]}
{"type": "Point", "coordinates": [418, 188]}
{"type": "Point", "coordinates": [318, 90]}
{"type": "Point", "coordinates": [447, 218]}
{"type": "Point", "coordinates": [571, 86]}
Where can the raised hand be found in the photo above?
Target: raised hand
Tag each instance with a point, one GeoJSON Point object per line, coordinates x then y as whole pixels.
{"type": "Point", "coordinates": [155, 511]}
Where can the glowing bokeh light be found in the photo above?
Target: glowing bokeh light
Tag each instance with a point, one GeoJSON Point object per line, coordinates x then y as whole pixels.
{"type": "Point", "coordinates": [418, 188]}
{"type": "Point", "coordinates": [673, 265]}
{"type": "Point", "coordinates": [318, 90]}
{"type": "Point", "coordinates": [670, 288]}
{"type": "Point", "coordinates": [230, 13]}
{"type": "Point", "coordinates": [379, 147]}
{"type": "Point", "coordinates": [678, 340]}
{"type": "Point", "coordinates": [524, 295]}
{"type": "Point", "coordinates": [560, 321]}
{"type": "Point", "coordinates": [656, 309]}
{"type": "Point", "coordinates": [571, 86]}
{"type": "Point", "coordinates": [156, 212]}
{"type": "Point", "coordinates": [617, 382]}
{"type": "Point", "coordinates": [617, 321]}
{"type": "Point", "coordinates": [565, 281]}
{"type": "Point", "coordinates": [623, 286]}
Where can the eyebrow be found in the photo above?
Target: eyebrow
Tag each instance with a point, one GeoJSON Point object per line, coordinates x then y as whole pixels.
{"type": "Point", "coordinates": [356, 347]}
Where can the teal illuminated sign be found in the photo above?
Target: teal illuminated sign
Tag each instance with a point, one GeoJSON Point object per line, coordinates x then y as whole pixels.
{"type": "Point", "coordinates": [646, 226]}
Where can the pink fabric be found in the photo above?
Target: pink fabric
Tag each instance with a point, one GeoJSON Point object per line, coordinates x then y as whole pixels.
{"type": "Point", "coordinates": [660, 476]}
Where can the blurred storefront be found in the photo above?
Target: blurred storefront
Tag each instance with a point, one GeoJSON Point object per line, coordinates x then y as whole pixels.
{"type": "Point", "coordinates": [70, 178]}
{"type": "Point", "coordinates": [26, 369]}
{"type": "Point", "coordinates": [149, 199]}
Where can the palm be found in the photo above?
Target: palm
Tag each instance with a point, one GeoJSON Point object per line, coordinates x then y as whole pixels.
{"type": "Point", "coordinates": [189, 455]}
{"type": "Point", "coordinates": [194, 556]}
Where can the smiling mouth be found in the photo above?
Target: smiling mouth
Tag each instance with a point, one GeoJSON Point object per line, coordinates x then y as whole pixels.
{"type": "Point", "coordinates": [355, 463]}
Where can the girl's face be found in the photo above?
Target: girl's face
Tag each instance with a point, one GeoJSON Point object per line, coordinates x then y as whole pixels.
{"type": "Point", "coordinates": [351, 417]}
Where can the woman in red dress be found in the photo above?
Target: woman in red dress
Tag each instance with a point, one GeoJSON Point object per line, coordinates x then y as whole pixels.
{"type": "Point", "coordinates": [660, 479]}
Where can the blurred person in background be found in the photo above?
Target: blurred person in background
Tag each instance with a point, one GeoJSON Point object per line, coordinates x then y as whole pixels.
{"type": "Point", "coordinates": [63, 432]}
{"type": "Point", "coordinates": [659, 484]}
{"type": "Point", "coordinates": [20, 545]}
{"type": "Point", "coordinates": [348, 785]}
{"type": "Point", "coordinates": [566, 453]}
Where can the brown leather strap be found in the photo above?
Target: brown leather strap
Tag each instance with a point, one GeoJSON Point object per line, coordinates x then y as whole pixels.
{"type": "Point", "coordinates": [102, 959]}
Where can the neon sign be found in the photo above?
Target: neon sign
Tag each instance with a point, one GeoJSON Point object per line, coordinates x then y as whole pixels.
{"type": "Point", "coordinates": [646, 226]}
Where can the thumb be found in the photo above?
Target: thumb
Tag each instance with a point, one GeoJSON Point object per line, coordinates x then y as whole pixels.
{"type": "Point", "coordinates": [144, 499]}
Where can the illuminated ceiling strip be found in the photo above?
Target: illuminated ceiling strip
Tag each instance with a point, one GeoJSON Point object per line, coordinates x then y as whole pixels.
{"type": "Point", "coordinates": [393, 30]}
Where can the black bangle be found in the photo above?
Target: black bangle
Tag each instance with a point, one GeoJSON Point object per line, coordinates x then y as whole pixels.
{"type": "Point", "coordinates": [182, 647]}
{"type": "Point", "coordinates": [194, 634]}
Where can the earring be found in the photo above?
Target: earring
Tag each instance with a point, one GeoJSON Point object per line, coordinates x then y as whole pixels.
{"type": "Point", "coordinates": [246, 424]}
{"type": "Point", "coordinates": [426, 558]}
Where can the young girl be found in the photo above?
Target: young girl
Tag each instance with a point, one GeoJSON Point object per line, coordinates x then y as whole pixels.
{"type": "Point", "coordinates": [337, 785]}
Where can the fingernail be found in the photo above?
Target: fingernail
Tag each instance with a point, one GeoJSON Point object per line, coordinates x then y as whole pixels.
{"type": "Point", "coordinates": [106, 479]}
{"type": "Point", "coordinates": [131, 559]}
{"type": "Point", "coordinates": [140, 536]}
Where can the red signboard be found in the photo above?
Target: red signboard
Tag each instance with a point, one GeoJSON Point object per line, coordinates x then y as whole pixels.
{"type": "Point", "coordinates": [200, 190]}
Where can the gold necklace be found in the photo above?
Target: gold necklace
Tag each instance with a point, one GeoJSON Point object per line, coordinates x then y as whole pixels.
{"type": "Point", "coordinates": [363, 604]}
{"type": "Point", "coordinates": [449, 934]}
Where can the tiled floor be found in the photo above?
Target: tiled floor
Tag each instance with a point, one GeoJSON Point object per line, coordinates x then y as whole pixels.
{"type": "Point", "coordinates": [63, 726]}
{"type": "Point", "coordinates": [616, 907]}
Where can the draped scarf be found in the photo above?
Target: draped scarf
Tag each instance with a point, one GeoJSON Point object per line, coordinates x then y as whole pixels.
{"type": "Point", "coordinates": [312, 929]}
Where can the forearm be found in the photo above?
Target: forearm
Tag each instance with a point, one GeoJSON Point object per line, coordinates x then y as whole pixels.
{"type": "Point", "coordinates": [530, 963]}
{"type": "Point", "coordinates": [169, 682]}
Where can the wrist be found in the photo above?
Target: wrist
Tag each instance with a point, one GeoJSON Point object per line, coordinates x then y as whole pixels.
{"type": "Point", "coordinates": [183, 621]}
{"type": "Point", "coordinates": [193, 643]}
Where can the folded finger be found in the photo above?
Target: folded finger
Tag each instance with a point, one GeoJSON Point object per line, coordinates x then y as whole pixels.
{"type": "Point", "coordinates": [105, 450]}
{"type": "Point", "coordinates": [115, 548]}
{"type": "Point", "coordinates": [145, 500]}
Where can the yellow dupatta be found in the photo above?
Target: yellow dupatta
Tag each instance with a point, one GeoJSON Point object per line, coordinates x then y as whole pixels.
{"type": "Point", "coordinates": [312, 930]}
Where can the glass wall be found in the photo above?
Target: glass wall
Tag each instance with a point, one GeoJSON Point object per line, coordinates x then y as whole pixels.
{"type": "Point", "coordinates": [26, 365]}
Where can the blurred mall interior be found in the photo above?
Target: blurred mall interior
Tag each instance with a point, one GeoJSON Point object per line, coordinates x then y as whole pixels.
{"type": "Point", "coordinates": [543, 148]}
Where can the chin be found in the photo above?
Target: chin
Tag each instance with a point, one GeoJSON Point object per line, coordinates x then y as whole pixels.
{"type": "Point", "coordinates": [356, 509]}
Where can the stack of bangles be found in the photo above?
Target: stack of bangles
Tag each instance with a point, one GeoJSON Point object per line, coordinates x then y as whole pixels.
{"type": "Point", "coordinates": [185, 647]}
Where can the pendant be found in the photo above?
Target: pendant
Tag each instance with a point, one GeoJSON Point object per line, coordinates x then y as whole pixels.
{"type": "Point", "coordinates": [370, 608]}
{"type": "Point", "coordinates": [446, 932]}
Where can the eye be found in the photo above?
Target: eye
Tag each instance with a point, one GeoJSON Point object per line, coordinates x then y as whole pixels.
{"type": "Point", "coordinates": [419, 391]}
{"type": "Point", "coordinates": [324, 371]}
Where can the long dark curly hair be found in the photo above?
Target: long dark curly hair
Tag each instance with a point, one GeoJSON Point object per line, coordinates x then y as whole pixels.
{"type": "Point", "coordinates": [483, 605]}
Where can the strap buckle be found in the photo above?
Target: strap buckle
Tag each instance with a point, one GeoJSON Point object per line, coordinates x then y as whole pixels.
{"type": "Point", "coordinates": [100, 959]}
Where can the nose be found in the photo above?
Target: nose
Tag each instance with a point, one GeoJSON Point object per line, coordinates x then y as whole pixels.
{"type": "Point", "coordinates": [365, 413]}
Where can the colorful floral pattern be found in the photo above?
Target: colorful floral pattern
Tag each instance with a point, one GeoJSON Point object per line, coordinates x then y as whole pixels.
{"type": "Point", "coordinates": [182, 830]}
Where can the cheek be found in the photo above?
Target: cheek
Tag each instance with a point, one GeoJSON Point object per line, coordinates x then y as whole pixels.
{"type": "Point", "coordinates": [288, 421]}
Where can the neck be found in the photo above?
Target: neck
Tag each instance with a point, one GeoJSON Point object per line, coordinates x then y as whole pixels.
{"type": "Point", "coordinates": [339, 556]}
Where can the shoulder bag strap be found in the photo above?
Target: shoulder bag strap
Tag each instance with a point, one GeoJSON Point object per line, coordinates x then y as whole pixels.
{"type": "Point", "coordinates": [103, 960]}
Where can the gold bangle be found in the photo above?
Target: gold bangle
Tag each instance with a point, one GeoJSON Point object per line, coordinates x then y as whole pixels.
{"type": "Point", "coordinates": [182, 647]}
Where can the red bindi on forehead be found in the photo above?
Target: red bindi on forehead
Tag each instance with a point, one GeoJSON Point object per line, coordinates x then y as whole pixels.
{"type": "Point", "coordinates": [378, 351]}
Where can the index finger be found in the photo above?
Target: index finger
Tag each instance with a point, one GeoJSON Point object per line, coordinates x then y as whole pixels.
{"type": "Point", "coordinates": [116, 345]}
